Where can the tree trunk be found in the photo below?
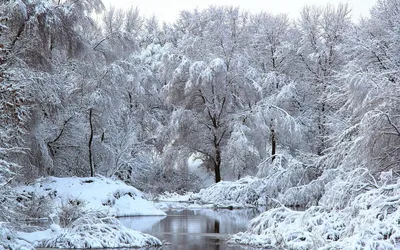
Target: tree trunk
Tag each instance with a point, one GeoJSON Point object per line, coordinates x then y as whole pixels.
{"type": "Point", "coordinates": [217, 167]}
{"type": "Point", "coordinates": [216, 226]}
{"type": "Point", "coordinates": [273, 142]}
{"type": "Point", "coordinates": [90, 143]}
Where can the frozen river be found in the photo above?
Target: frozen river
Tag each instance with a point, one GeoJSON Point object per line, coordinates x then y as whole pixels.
{"type": "Point", "coordinates": [194, 229]}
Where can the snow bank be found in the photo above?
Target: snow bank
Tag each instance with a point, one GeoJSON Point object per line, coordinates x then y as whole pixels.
{"type": "Point", "coordinates": [371, 221]}
{"type": "Point", "coordinates": [93, 232]}
{"type": "Point", "coordinates": [245, 192]}
{"type": "Point", "coordinates": [111, 197]}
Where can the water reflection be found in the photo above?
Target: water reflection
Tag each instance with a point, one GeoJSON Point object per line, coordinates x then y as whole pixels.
{"type": "Point", "coordinates": [141, 223]}
{"type": "Point", "coordinates": [194, 229]}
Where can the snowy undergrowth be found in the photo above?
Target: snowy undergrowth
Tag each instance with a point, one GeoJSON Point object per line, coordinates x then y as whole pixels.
{"type": "Point", "coordinates": [370, 221]}
{"type": "Point", "coordinates": [242, 193]}
{"type": "Point", "coordinates": [168, 200]}
{"type": "Point", "coordinates": [111, 197]}
{"type": "Point", "coordinates": [285, 180]}
{"type": "Point", "coordinates": [290, 181]}
{"type": "Point", "coordinates": [91, 231]}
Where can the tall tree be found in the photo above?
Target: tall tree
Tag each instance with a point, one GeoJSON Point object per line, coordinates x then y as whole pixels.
{"type": "Point", "coordinates": [323, 33]}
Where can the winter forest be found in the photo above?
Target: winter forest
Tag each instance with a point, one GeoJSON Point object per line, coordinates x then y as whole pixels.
{"type": "Point", "coordinates": [237, 109]}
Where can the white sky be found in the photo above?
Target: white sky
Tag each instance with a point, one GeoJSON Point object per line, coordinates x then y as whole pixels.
{"type": "Point", "coordinates": [168, 10]}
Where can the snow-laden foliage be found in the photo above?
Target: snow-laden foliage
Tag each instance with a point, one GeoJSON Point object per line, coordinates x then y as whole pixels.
{"type": "Point", "coordinates": [242, 193]}
{"type": "Point", "coordinates": [308, 194]}
{"type": "Point", "coordinates": [91, 231]}
{"type": "Point", "coordinates": [286, 174]}
{"type": "Point", "coordinates": [285, 180]}
{"type": "Point", "coordinates": [334, 188]}
{"type": "Point", "coordinates": [283, 227]}
{"type": "Point", "coordinates": [369, 221]}
{"type": "Point", "coordinates": [241, 155]}
{"type": "Point", "coordinates": [343, 187]}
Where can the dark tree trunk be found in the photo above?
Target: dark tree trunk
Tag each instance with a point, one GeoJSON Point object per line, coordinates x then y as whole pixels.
{"type": "Point", "coordinates": [273, 143]}
{"type": "Point", "coordinates": [91, 143]}
{"type": "Point", "coordinates": [216, 226]}
{"type": "Point", "coordinates": [217, 164]}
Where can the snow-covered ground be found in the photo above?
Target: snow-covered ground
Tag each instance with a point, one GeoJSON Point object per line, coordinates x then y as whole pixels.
{"type": "Point", "coordinates": [111, 197]}
{"type": "Point", "coordinates": [97, 200]}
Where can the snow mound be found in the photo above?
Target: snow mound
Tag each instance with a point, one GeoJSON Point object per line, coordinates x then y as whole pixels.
{"type": "Point", "coordinates": [111, 197]}
{"type": "Point", "coordinates": [371, 221]}
{"type": "Point", "coordinates": [242, 193]}
{"type": "Point", "coordinates": [93, 232]}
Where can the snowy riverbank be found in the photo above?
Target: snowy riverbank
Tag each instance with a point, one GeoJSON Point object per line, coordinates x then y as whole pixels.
{"type": "Point", "coordinates": [111, 197]}
{"type": "Point", "coordinates": [366, 218]}
{"type": "Point", "coordinates": [370, 221]}
{"type": "Point", "coordinates": [82, 213]}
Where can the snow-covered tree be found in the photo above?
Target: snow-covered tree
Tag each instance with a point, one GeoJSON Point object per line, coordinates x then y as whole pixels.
{"type": "Point", "coordinates": [323, 34]}
{"type": "Point", "coordinates": [366, 126]}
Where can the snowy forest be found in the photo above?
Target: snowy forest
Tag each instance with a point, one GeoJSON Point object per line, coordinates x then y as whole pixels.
{"type": "Point", "coordinates": [225, 104]}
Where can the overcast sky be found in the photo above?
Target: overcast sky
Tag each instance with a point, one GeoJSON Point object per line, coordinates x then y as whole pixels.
{"type": "Point", "coordinates": [168, 10]}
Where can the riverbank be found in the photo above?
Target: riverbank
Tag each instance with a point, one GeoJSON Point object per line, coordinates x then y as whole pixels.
{"type": "Point", "coordinates": [81, 213]}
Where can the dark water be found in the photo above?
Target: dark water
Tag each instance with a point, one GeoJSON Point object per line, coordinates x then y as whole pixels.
{"type": "Point", "coordinates": [194, 229]}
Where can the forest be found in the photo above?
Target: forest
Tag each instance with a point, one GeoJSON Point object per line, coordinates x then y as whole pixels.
{"type": "Point", "coordinates": [309, 108]}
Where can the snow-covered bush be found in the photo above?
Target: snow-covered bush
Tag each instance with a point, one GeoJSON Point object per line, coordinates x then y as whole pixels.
{"type": "Point", "coordinates": [285, 180]}
{"type": "Point", "coordinates": [69, 211]}
{"type": "Point", "coordinates": [283, 227]}
{"type": "Point", "coordinates": [286, 173]}
{"type": "Point", "coordinates": [244, 192]}
{"type": "Point", "coordinates": [303, 196]}
{"type": "Point", "coordinates": [94, 231]}
{"type": "Point", "coordinates": [33, 206]}
{"type": "Point", "coordinates": [346, 185]}
{"type": "Point", "coordinates": [371, 220]}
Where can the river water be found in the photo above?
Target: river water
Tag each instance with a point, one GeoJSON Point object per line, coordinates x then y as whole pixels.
{"type": "Point", "coordinates": [194, 229]}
